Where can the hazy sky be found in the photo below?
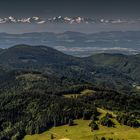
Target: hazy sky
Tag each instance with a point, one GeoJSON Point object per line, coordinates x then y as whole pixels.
{"type": "Point", "coordinates": [128, 9]}
{"type": "Point", "coordinates": [90, 8]}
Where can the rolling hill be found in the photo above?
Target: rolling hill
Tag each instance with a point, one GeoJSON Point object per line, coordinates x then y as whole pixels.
{"type": "Point", "coordinates": [41, 87]}
{"type": "Point", "coordinates": [25, 55]}
{"type": "Point", "coordinates": [123, 63]}
{"type": "Point", "coordinates": [92, 69]}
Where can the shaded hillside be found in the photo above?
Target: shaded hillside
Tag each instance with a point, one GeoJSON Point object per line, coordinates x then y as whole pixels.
{"type": "Point", "coordinates": [34, 82]}
{"type": "Point", "coordinates": [129, 65]}
{"type": "Point", "coordinates": [25, 56]}
{"type": "Point", "coordinates": [48, 60]}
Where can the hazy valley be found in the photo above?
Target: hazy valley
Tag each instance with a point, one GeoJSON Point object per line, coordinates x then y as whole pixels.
{"type": "Point", "coordinates": [79, 44]}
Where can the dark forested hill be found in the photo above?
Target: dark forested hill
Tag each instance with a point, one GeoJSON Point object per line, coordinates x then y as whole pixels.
{"type": "Point", "coordinates": [129, 65]}
{"type": "Point", "coordinates": [113, 71]}
{"type": "Point", "coordinates": [95, 69]}
{"type": "Point", "coordinates": [35, 80]}
{"type": "Point", "coordinates": [25, 56]}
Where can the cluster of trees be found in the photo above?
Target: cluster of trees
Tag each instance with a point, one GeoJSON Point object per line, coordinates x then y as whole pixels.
{"type": "Point", "coordinates": [93, 125]}
{"type": "Point", "coordinates": [32, 102]}
{"type": "Point", "coordinates": [127, 119]}
{"type": "Point", "coordinates": [35, 111]}
{"type": "Point", "coordinates": [115, 101]}
{"type": "Point", "coordinates": [105, 121]}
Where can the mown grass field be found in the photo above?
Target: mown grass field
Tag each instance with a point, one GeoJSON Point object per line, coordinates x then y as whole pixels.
{"type": "Point", "coordinates": [84, 92]}
{"type": "Point", "coordinates": [81, 131]}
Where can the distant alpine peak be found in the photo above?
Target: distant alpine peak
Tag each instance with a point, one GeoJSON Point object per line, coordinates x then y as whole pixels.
{"type": "Point", "coordinates": [66, 20]}
{"type": "Point", "coordinates": [12, 19]}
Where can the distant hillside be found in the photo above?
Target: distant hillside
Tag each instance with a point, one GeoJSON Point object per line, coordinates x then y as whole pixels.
{"type": "Point", "coordinates": [78, 44]}
{"type": "Point", "coordinates": [92, 69]}
{"type": "Point", "coordinates": [129, 65]}
{"type": "Point", "coordinates": [41, 87]}
{"type": "Point", "coordinates": [25, 56]}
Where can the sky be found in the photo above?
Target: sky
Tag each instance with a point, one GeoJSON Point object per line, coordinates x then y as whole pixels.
{"type": "Point", "coordinates": [112, 9]}
{"type": "Point", "coordinates": [90, 8]}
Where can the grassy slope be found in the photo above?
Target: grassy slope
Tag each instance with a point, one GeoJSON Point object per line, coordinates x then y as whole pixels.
{"type": "Point", "coordinates": [81, 131]}
{"type": "Point", "coordinates": [84, 92]}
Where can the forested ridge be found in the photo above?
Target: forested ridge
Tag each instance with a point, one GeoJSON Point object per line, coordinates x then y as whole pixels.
{"type": "Point", "coordinates": [34, 85]}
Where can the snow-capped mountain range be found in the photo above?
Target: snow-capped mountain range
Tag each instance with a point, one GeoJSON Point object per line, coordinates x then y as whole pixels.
{"type": "Point", "coordinates": [66, 20]}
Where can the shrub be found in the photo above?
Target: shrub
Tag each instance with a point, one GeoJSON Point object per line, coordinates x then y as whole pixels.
{"type": "Point", "coordinates": [105, 121]}
{"type": "Point", "coordinates": [93, 126]}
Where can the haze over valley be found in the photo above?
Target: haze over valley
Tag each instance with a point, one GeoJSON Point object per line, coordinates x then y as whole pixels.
{"type": "Point", "coordinates": [79, 44]}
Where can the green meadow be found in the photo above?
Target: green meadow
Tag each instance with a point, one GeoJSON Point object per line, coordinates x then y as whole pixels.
{"type": "Point", "coordinates": [82, 131]}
